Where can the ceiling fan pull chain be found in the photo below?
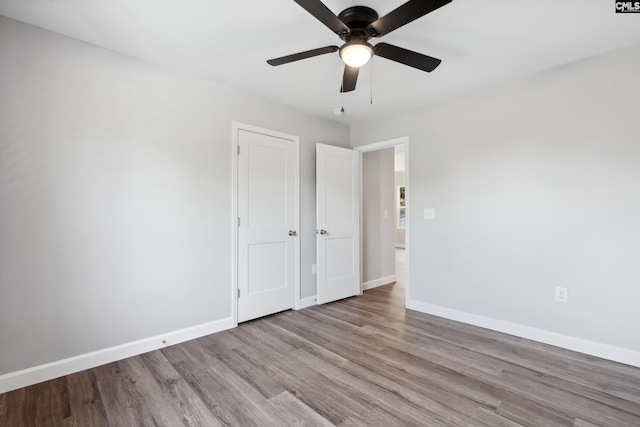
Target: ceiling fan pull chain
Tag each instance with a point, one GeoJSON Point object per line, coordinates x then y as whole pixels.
{"type": "Point", "coordinates": [343, 65]}
{"type": "Point", "coordinates": [371, 80]}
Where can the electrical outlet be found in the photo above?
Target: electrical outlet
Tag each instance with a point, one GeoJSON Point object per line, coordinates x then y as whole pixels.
{"type": "Point", "coordinates": [562, 294]}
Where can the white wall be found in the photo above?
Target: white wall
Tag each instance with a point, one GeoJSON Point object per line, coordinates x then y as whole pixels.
{"type": "Point", "coordinates": [378, 191]}
{"type": "Point", "coordinates": [115, 193]}
{"type": "Point", "coordinates": [535, 185]}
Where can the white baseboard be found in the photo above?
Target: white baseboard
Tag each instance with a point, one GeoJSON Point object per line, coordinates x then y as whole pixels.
{"type": "Point", "coordinates": [593, 348]}
{"type": "Point", "coordinates": [307, 302]}
{"type": "Point", "coordinates": [48, 371]}
{"type": "Point", "coordinates": [378, 282]}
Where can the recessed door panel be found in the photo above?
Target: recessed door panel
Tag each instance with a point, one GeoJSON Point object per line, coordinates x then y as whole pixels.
{"type": "Point", "coordinates": [339, 262]}
{"type": "Point", "coordinates": [268, 270]}
{"type": "Point", "coordinates": [339, 175]}
{"type": "Point", "coordinates": [267, 186]}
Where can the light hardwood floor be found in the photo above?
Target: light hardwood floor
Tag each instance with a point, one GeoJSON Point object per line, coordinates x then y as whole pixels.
{"type": "Point", "coordinates": [363, 361]}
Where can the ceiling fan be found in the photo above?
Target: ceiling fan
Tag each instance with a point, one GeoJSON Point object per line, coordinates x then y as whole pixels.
{"type": "Point", "coordinates": [356, 26]}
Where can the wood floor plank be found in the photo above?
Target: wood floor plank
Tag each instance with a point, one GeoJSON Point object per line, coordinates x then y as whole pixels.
{"type": "Point", "coordinates": [223, 339]}
{"type": "Point", "coordinates": [52, 403]}
{"type": "Point", "coordinates": [362, 361]}
{"type": "Point", "coordinates": [249, 372]}
{"type": "Point", "coordinates": [583, 423]}
{"type": "Point", "coordinates": [85, 400]}
{"type": "Point", "coordinates": [20, 408]}
{"type": "Point", "coordinates": [149, 390]}
{"type": "Point", "coordinates": [3, 406]}
{"type": "Point", "coordinates": [186, 403]}
{"type": "Point", "coordinates": [215, 397]}
{"type": "Point", "coordinates": [124, 404]}
{"type": "Point", "coordinates": [244, 397]}
{"type": "Point", "coordinates": [530, 413]}
{"type": "Point", "coordinates": [377, 418]}
{"type": "Point", "coordinates": [295, 412]}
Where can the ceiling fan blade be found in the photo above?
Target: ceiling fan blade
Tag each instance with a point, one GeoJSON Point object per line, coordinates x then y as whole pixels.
{"type": "Point", "coordinates": [324, 15]}
{"type": "Point", "coordinates": [404, 14]}
{"type": "Point", "coordinates": [407, 57]}
{"type": "Point", "coordinates": [349, 78]}
{"type": "Point", "coordinates": [302, 55]}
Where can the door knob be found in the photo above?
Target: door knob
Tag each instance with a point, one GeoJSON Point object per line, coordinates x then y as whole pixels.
{"type": "Point", "coordinates": [323, 231]}
{"type": "Point", "coordinates": [292, 233]}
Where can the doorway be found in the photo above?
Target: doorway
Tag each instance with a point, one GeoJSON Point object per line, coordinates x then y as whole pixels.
{"type": "Point", "coordinates": [396, 211]}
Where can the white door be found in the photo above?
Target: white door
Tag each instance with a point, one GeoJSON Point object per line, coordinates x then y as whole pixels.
{"type": "Point", "coordinates": [338, 222]}
{"type": "Point", "coordinates": [267, 222]}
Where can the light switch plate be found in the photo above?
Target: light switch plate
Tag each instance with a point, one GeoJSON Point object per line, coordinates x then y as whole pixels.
{"type": "Point", "coordinates": [429, 213]}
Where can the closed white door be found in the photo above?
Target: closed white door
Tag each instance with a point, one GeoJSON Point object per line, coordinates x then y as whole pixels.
{"type": "Point", "coordinates": [267, 222]}
{"type": "Point", "coordinates": [338, 222]}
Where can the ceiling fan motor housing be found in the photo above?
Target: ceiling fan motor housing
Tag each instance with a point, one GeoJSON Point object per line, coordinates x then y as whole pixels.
{"type": "Point", "coordinates": [357, 18]}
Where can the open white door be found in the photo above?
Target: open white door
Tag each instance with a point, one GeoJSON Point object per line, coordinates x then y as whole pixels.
{"type": "Point", "coordinates": [338, 222]}
{"type": "Point", "coordinates": [267, 222]}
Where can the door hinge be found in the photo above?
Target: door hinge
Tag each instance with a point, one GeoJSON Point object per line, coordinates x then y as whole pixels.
{"type": "Point", "coordinates": [238, 221]}
{"type": "Point", "coordinates": [238, 150]}
{"type": "Point", "coordinates": [238, 292]}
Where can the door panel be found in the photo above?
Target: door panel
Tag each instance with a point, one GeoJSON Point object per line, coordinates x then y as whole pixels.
{"type": "Point", "coordinates": [268, 267]}
{"type": "Point", "coordinates": [339, 262]}
{"type": "Point", "coordinates": [339, 181]}
{"type": "Point", "coordinates": [266, 211]}
{"type": "Point", "coordinates": [338, 222]}
{"type": "Point", "coordinates": [267, 184]}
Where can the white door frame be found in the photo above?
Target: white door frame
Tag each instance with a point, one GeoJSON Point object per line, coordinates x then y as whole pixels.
{"type": "Point", "coordinates": [236, 127]}
{"type": "Point", "coordinates": [379, 146]}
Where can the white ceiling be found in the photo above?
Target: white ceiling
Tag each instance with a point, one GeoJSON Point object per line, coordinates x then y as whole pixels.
{"type": "Point", "coordinates": [480, 43]}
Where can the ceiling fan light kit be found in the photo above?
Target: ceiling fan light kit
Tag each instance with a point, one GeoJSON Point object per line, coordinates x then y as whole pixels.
{"type": "Point", "coordinates": [356, 26]}
{"type": "Point", "coordinates": [356, 53]}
